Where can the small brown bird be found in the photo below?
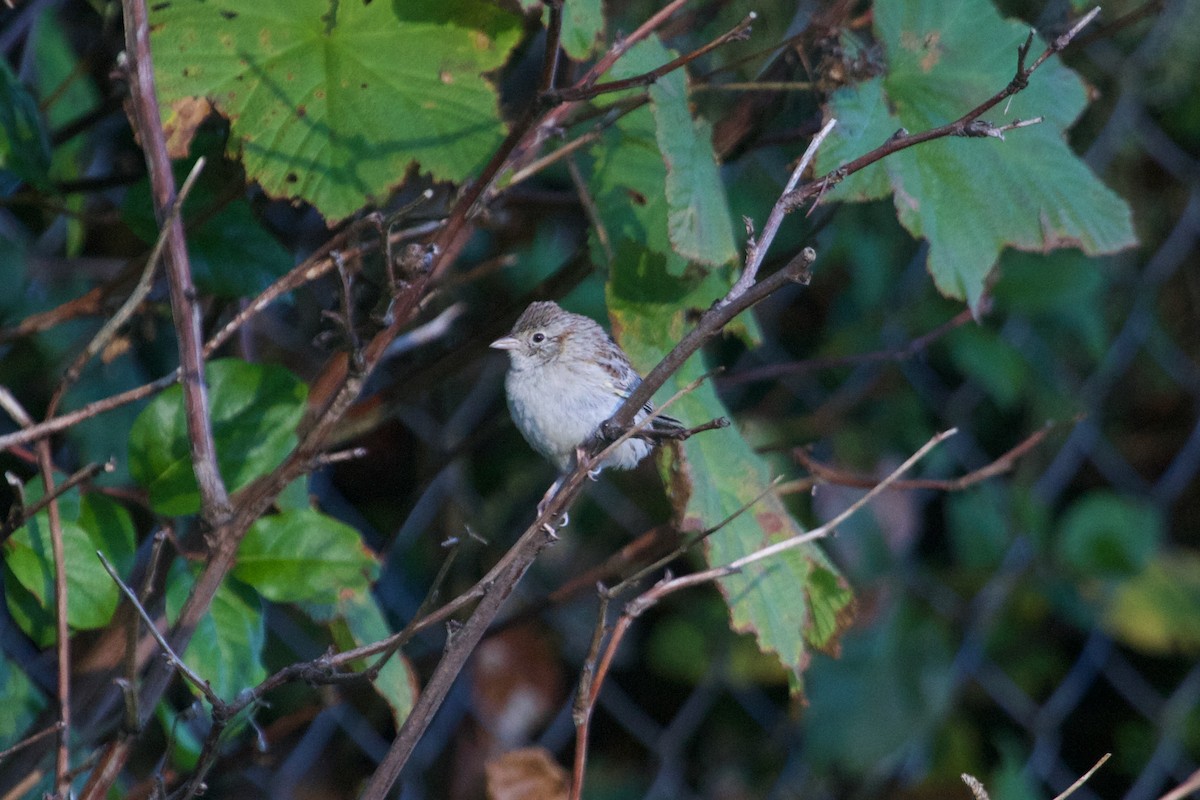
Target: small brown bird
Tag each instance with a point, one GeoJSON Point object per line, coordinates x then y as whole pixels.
{"type": "Point", "coordinates": [567, 376]}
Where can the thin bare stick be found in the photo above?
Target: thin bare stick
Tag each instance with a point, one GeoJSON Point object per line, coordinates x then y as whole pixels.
{"type": "Point", "coordinates": [534, 167]}
{"type": "Point", "coordinates": [976, 787]}
{"type": "Point", "coordinates": [667, 586]}
{"type": "Point", "coordinates": [1070, 790]}
{"type": "Point", "coordinates": [31, 739]}
{"type": "Point", "coordinates": [1001, 465]}
{"type": "Point", "coordinates": [581, 711]}
{"type": "Point", "coordinates": [736, 33]}
{"type": "Point", "coordinates": [1185, 789]}
{"type": "Point", "coordinates": [177, 662]}
{"type": "Point", "coordinates": [80, 476]}
{"type": "Point", "coordinates": [959, 127]}
{"type": "Point", "coordinates": [70, 419]}
{"type": "Point", "coordinates": [184, 308]}
{"type": "Point", "coordinates": [139, 293]}
{"type": "Point", "coordinates": [757, 250]}
{"type": "Point", "coordinates": [822, 531]}
{"type": "Point", "coordinates": [62, 761]}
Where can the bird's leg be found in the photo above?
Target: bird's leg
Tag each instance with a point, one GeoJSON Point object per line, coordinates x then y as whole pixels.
{"type": "Point", "coordinates": [581, 455]}
{"type": "Point", "coordinates": [545, 502]}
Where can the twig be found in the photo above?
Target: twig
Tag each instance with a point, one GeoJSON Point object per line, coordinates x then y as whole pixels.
{"type": "Point", "coordinates": [1001, 465]}
{"type": "Point", "coordinates": [1188, 787]}
{"type": "Point", "coordinates": [586, 92]}
{"type": "Point", "coordinates": [31, 739]}
{"type": "Point", "coordinates": [536, 166]}
{"type": "Point", "coordinates": [581, 711]}
{"type": "Point", "coordinates": [80, 476]}
{"type": "Point", "coordinates": [139, 293]}
{"type": "Point", "coordinates": [168, 652]}
{"type": "Point", "coordinates": [669, 585]}
{"type": "Point", "coordinates": [1084, 777]}
{"type": "Point", "coordinates": [976, 787]}
{"type": "Point", "coordinates": [185, 310]}
{"type": "Point", "coordinates": [62, 761]}
{"type": "Point", "coordinates": [959, 127]}
{"type": "Point", "coordinates": [70, 419]}
{"type": "Point", "coordinates": [757, 250]}
{"type": "Point", "coordinates": [910, 350]}
{"type": "Point", "coordinates": [824, 530]}
{"type": "Point", "coordinates": [553, 50]}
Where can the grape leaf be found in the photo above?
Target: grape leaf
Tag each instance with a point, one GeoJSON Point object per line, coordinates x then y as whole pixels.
{"type": "Point", "coordinates": [971, 198]}
{"type": "Point", "coordinates": [656, 174]}
{"type": "Point", "coordinates": [793, 603]}
{"type": "Point", "coordinates": [332, 102]}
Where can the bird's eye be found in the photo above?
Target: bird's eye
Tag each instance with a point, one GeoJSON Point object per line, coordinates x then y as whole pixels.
{"type": "Point", "coordinates": [539, 337]}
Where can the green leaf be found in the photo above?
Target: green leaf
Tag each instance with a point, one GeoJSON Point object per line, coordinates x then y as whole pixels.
{"type": "Point", "coordinates": [793, 602]}
{"type": "Point", "coordinates": [888, 690]}
{"type": "Point", "coordinates": [90, 523]}
{"type": "Point", "coordinates": [992, 363]}
{"type": "Point", "coordinates": [111, 529]}
{"type": "Point", "coordinates": [1158, 610]}
{"type": "Point", "coordinates": [698, 219]}
{"type": "Point", "coordinates": [582, 26]}
{"type": "Point", "coordinates": [254, 410]}
{"type": "Point", "coordinates": [91, 594]}
{"type": "Point", "coordinates": [226, 648]}
{"type": "Point", "coordinates": [22, 702]}
{"type": "Point", "coordinates": [24, 143]}
{"type": "Point", "coordinates": [978, 522]}
{"type": "Point", "coordinates": [1106, 535]}
{"type": "Point", "coordinates": [972, 198]}
{"type": "Point", "coordinates": [332, 103]}
{"type": "Point", "coordinates": [627, 182]}
{"type": "Point", "coordinates": [231, 253]}
{"type": "Point", "coordinates": [304, 556]}
{"type": "Point", "coordinates": [362, 622]}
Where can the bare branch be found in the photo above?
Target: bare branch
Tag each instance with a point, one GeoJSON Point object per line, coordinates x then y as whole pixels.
{"type": "Point", "coordinates": [1070, 790]}
{"type": "Point", "coordinates": [824, 530]}
{"type": "Point", "coordinates": [757, 249]}
{"type": "Point", "coordinates": [176, 661]}
{"type": "Point", "coordinates": [586, 92]}
{"type": "Point", "coordinates": [1185, 789]}
{"type": "Point", "coordinates": [1001, 465]}
{"type": "Point", "coordinates": [904, 139]}
{"type": "Point", "coordinates": [184, 308]}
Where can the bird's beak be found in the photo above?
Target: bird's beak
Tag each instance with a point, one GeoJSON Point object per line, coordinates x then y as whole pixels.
{"type": "Point", "coordinates": [506, 343]}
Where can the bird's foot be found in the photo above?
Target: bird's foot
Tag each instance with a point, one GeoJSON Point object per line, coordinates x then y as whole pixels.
{"type": "Point", "coordinates": [549, 526]}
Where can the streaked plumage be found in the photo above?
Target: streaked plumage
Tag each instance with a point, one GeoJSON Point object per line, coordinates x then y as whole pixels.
{"type": "Point", "coordinates": [566, 376]}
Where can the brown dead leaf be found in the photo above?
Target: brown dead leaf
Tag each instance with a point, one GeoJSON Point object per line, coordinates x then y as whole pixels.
{"type": "Point", "coordinates": [180, 127]}
{"type": "Point", "coordinates": [527, 774]}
